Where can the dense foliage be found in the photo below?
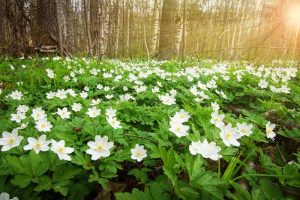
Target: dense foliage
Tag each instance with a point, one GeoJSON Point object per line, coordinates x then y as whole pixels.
{"type": "Point", "coordinates": [81, 128]}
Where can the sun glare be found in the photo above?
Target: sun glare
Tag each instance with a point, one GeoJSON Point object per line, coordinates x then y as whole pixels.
{"type": "Point", "coordinates": [293, 15]}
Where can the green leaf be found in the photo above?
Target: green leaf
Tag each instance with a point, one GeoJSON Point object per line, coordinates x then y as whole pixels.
{"type": "Point", "coordinates": [65, 172]}
{"type": "Point", "coordinates": [78, 192]}
{"type": "Point", "coordinates": [21, 180]}
{"type": "Point", "coordinates": [140, 174]}
{"type": "Point", "coordinates": [102, 181]}
{"type": "Point", "coordinates": [61, 187]}
{"type": "Point", "coordinates": [38, 165]}
{"type": "Point", "coordinates": [195, 167]}
{"type": "Point", "coordinates": [153, 192]}
{"type": "Point", "coordinates": [62, 190]}
{"type": "Point", "coordinates": [45, 183]}
{"type": "Point", "coordinates": [81, 159]}
{"type": "Point", "coordinates": [190, 193]}
{"type": "Point", "coordinates": [15, 164]}
{"type": "Point", "coordinates": [243, 194]}
{"type": "Point", "coordinates": [270, 190]}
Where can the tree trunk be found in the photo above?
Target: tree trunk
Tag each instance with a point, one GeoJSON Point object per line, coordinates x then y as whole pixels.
{"type": "Point", "coordinates": [18, 22]}
{"type": "Point", "coordinates": [168, 29]}
{"type": "Point", "coordinates": [117, 27]}
{"type": "Point", "coordinates": [183, 31]}
{"type": "Point", "coordinates": [88, 25]}
{"type": "Point", "coordinates": [59, 17]}
{"type": "Point", "coordinates": [154, 41]}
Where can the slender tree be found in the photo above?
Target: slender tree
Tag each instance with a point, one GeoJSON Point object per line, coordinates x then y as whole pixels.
{"type": "Point", "coordinates": [169, 29]}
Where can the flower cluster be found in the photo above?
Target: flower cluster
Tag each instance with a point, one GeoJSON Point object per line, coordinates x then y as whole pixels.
{"type": "Point", "coordinates": [176, 123]}
{"type": "Point", "coordinates": [41, 122]}
{"type": "Point", "coordinates": [111, 118]}
{"type": "Point", "coordinates": [205, 149]}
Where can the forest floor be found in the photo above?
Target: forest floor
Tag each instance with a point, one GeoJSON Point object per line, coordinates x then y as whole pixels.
{"type": "Point", "coordinates": [90, 129]}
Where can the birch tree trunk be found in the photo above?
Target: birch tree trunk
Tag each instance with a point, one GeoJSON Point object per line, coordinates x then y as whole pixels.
{"type": "Point", "coordinates": [155, 33]}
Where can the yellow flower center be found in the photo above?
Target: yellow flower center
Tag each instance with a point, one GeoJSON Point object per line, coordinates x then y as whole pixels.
{"type": "Point", "coordinates": [178, 129]}
{"type": "Point", "coordinates": [138, 154]}
{"type": "Point", "coordinates": [228, 135]}
{"type": "Point", "coordinates": [100, 147]}
{"type": "Point", "coordinates": [61, 149]}
{"type": "Point", "coordinates": [38, 145]}
{"type": "Point", "coordinates": [11, 141]}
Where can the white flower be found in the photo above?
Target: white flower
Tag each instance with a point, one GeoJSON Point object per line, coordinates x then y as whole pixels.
{"type": "Point", "coordinates": [215, 106]}
{"type": "Point", "coordinates": [106, 88]}
{"type": "Point", "coordinates": [212, 84]}
{"type": "Point", "coordinates": [86, 88]}
{"type": "Point", "coordinates": [23, 126]}
{"type": "Point", "coordinates": [66, 78]}
{"type": "Point", "coordinates": [61, 94]}
{"type": "Point", "coordinates": [22, 108]}
{"type": "Point", "coordinates": [109, 96]}
{"type": "Point", "coordinates": [173, 92]}
{"type": "Point", "coordinates": [5, 196]}
{"type": "Point", "coordinates": [181, 116]}
{"type": "Point", "coordinates": [217, 119]}
{"type": "Point", "coordinates": [93, 112]}
{"type": "Point", "coordinates": [38, 114]}
{"type": "Point", "coordinates": [74, 79]}
{"type": "Point", "coordinates": [138, 153]}
{"type": "Point", "coordinates": [100, 147]}
{"type": "Point", "coordinates": [50, 73]}
{"type": "Point", "coordinates": [113, 122]}
{"type": "Point", "coordinates": [71, 92]}
{"type": "Point", "coordinates": [222, 94]}
{"type": "Point", "coordinates": [269, 130]}
{"type": "Point", "coordinates": [194, 90]}
{"type": "Point", "coordinates": [110, 112]}
{"type": "Point", "coordinates": [99, 86]}
{"type": "Point", "coordinates": [76, 107]}
{"type": "Point", "coordinates": [63, 113]}
{"type": "Point", "coordinates": [16, 95]}
{"type": "Point", "coordinates": [195, 147]}
{"type": "Point", "coordinates": [18, 117]}
{"type": "Point", "coordinates": [207, 150]}
{"type": "Point", "coordinates": [95, 102]}
{"type": "Point", "coordinates": [155, 89]}
{"type": "Point", "coordinates": [229, 135]}
{"type": "Point", "coordinates": [60, 149]}
{"type": "Point", "coordinates": [244, 129]}
{"type": "Point", "coordinates": [40, 144]}
{"type": "Point", "coordinates": [43, 125]}
{"type": "Point", "coordinates": [10, 140]}
{"type": "Point", "coordinates": [274, 89]}
{"type": "Point", "coordinates": [84, 94]}
{"type": "Point", "coordinates": [50, 95]}
{"type": "Point", "coordinates": [167, 99]}
{"type": "Point", "coordinates": [126, 97]}
{"type": "Point", "coordinates": [178, 129]}
{"type": "Point", "coordinates": [285, 89]}
{"type": "Point", "coordinates": [263, 84]}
